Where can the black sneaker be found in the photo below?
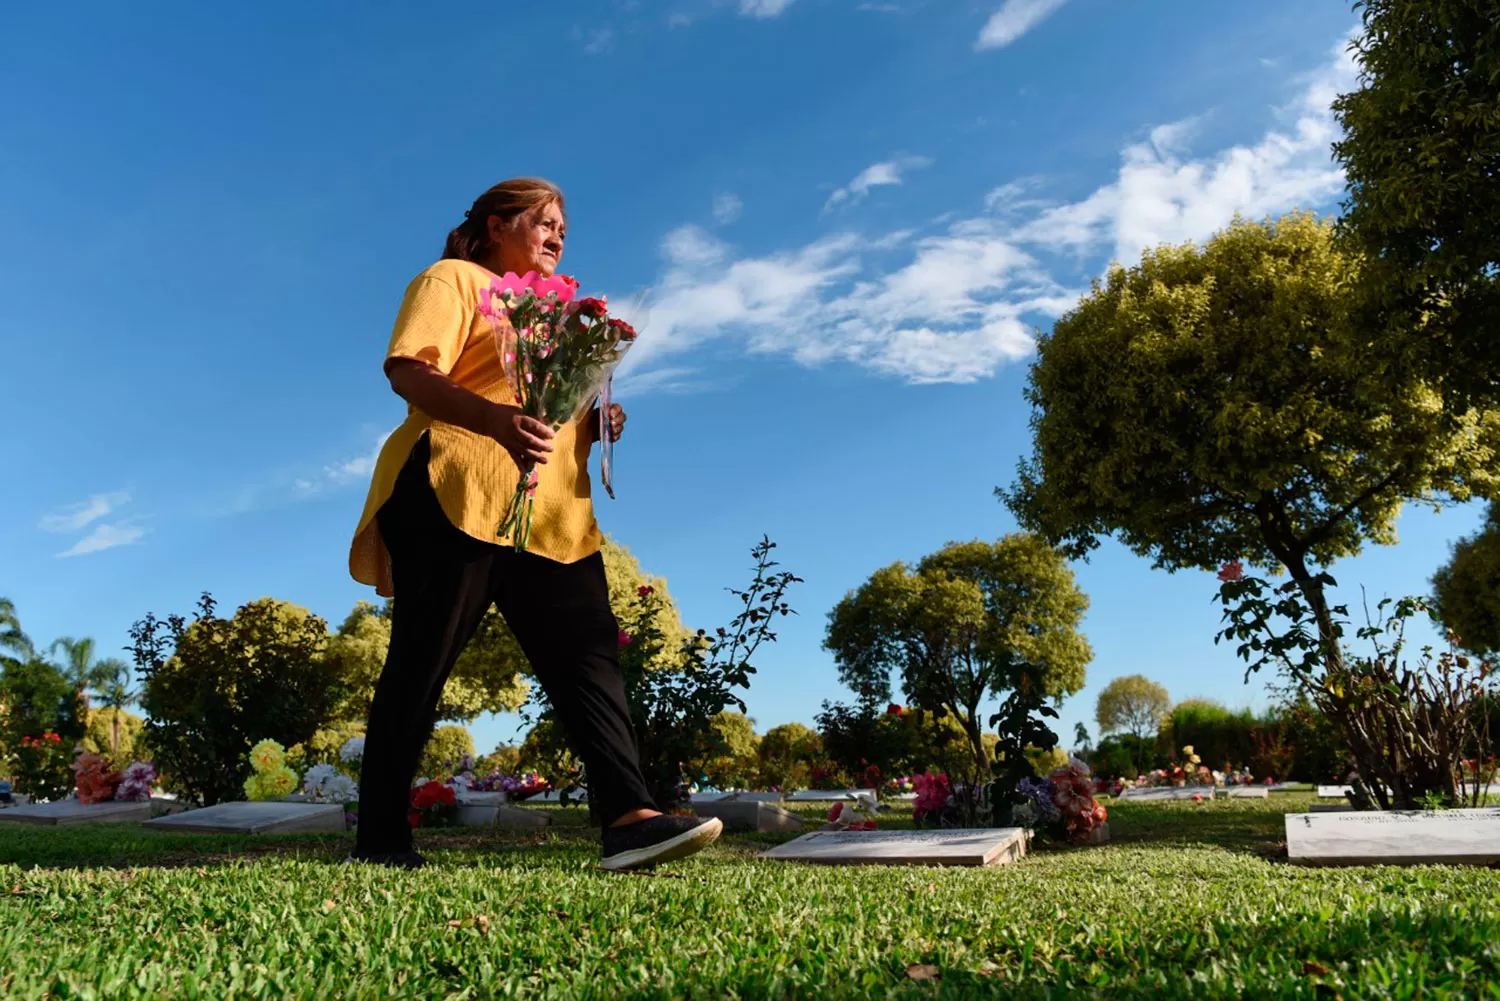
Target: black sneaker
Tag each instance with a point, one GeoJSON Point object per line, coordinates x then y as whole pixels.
{"type": "Point", "coordinates": [395, 860]}
{"type": "Point", "coordinates": [660, 839]}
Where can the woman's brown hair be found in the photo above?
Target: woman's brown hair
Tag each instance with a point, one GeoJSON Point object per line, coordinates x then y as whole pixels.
{"type": "Point", "coordinates": [510, 200]}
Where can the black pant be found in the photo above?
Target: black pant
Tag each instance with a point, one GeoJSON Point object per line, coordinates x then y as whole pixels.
{"type": "Point", "coordinates": [445, 581]}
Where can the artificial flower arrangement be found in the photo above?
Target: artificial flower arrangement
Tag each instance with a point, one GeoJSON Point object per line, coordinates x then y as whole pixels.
{"type": "Point", "coordinates": [352, 754]}
{"type": "Point", "coordinates": [433, 804]}
{"type": "Point", "coordinates": [323, 783]}
{"type": "Point", "coordinates": [1062, 805]}
{"type": "Point", "coordinates": [560, 354]}
{"type": "Point", "coordinates": [856, 816]}
{"type": "Point", "coordinates": [933, 792]}
{"type": "Point", "coordinates": [97, 781]}
{"type": "Point", "coordinates": [270, 777]}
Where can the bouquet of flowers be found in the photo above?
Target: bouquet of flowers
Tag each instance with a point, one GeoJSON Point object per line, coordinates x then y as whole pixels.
{"type": "Point", "coordinates": [270, 778]}
{"type": "Point", "coordinates": [559, 354]}
{"type": "Point", "coordinates": [326, 784]}
{"type": "Point", "coordinates": [1073, 792]}
{"type": "Point", "coordinates": [433, 804]}
{"type": "Point", "coordinates": [135, 782]}
{"type": "Point", "coordinates": [933, 792]}
{"type": "Point", "coordinates": [96, 782]}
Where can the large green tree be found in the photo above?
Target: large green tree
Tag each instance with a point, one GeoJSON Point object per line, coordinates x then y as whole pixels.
{"type": "Point", "coordinates": [1132, 704]}
{"type": "Point", "coordinates": [215, 686]}
{"type": "Point", "coordinates": [114, 692]}
{"type": "Point", "coordinates": [970, 621]}
{"type": "Point", "coordinates": [1219, 403]}
{"type": "Point", "coordinates": [15, 645]}
{"type": "Point", "coordinates": [78, 665]}
{"type": "Point", "coordinates": [1421, 151]}
{"type": "Point", "coordinates": [1467, 588]}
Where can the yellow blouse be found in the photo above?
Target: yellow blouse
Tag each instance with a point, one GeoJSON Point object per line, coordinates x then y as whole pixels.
{"type": "Point", "coordinates": [473, 477]}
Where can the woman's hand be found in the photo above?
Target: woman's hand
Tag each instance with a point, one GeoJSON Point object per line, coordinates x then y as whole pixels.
{"type": "Point", "coordinates": [527, 439]}
{"type": "Point", "coordinates": [616, 422]}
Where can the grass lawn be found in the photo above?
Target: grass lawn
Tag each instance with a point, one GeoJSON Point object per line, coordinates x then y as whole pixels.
{"type": "Point", "coordinates": [1190, 900]}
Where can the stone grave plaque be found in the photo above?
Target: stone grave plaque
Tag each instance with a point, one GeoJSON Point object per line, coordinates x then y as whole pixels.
{"type": "Point", "coordinates": [1156, 794]}
{"type": "Point", "coordinates": [758, 797]}
{"type": "Point", "coordinates": [1333, 792]}
{"type": "Point", "coordinates": [711, 797]}
{"type": "Point", "coordinates": [1406, 837]}
{"type": "Point", "coordinates": [957, 846]}
{"type": "Point", "coordinates": [1249, 792]}
{"type": "Point", "coordinates": [828, 795]}
{"type": "Point", "coordinates": [575, 797]}
{"type": "Point", "coordinates": [268, 817]}
{"type": "Point", "coordinates": [68, 812]}
{"type": "Point", "coordinates": [750, 815]}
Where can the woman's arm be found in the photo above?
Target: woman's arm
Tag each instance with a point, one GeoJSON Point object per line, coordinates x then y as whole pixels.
{"type": "Point", "coordinates": [442, 399]}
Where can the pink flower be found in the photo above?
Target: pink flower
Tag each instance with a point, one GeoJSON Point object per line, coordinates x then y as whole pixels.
{"type": "Point", "coordinates": [1232, 571]}
{"type": "Point", "coordinates": [625, 639]}
{"type": "Point", "coordinates": [561, 286]}
{"type": "Point", "coordinates": [643, 590]}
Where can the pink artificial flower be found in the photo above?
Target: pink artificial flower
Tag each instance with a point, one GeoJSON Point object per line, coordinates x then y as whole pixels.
{"type": "Point", "coordinates": [1232, 571]}
{"type": "Point", "coordinates": [561, 286]}
{"type": "Point", "coordinates": [624, 639]}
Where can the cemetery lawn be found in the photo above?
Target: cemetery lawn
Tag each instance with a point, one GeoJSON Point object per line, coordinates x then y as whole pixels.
{"type": "Point", "coordinates": [1190, 901]}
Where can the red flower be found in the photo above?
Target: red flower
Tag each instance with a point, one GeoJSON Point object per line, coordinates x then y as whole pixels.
{"type": "Point", "coordinates": [894, 710]}
{"type": "Point", "coordinates": [592, 308]}
{"type": "Point", "coordinates": [625, 639]}
{"type": "Point", "coordinates": [625, 330]}
{"type": "Point", "coordinates": [643, 590]}
{"type": "Point", "coordinates": [1232, 571]}
{"type": "Point", "coordinates": [722, 633]}
{"type": "Point", "coordinates": [431, 794]}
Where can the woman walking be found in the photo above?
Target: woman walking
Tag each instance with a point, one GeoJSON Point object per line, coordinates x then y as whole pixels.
{"type": "Point", "coordinates": [427, 537]}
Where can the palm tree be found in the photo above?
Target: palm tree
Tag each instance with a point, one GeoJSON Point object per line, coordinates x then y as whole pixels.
{"type": "Point", "coordinates": [79, 666]}
{"type": "Point", "coordinates": [12, 639]}
{"type": "Point", "coordinates": [114, 692]}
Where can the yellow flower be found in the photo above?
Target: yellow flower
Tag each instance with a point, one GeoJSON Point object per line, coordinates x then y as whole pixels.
{"type": "Point", "coordinates": [267, 756]}
{"type": "Point", "coordinates": [1195, 759]}
{"type": "Point", "coordinates": [281, 782]}
{"type": "Point", "coordinates": [1188, 750]}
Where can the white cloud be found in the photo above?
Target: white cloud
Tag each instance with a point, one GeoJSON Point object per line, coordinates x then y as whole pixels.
{"type": "Point", "coordinates": [959, 303]}
{"type": "Point", "coordinates": [79, 516]}
{"type": "Point", "coordinates": [875, 175]}
{"type": "Point", "coordinates": [1162, 195]}
{"type": "Point", "coordinates": [763, 8]}
{"type": "Point", "coordinates": [600, 40]}
{"type": "Point", "coordinates": [340, 473]}
{"type": "Point", "coordinates": [104, 537]}
{"type": "Point", "coordinates": [1014, 19]}
{"type": "Point", "coordinates": [727, 207]}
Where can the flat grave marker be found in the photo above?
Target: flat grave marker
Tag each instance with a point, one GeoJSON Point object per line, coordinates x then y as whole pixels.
{"type": "Point", "coordinates": [1405, 837]}
{"type": "Point", "coordinates": [1153, 794]}
{"type": "Point", "coordinates": [1248, 792]}
{"type": "Point", "coordinates": [828, 795]}
{"type": "Point", "coordinates": [70, 812]}
{"type": "Point", "coordinates": [269, 817]}
{"type": "Point", "coordinates": [956, 846]}
{"type": "Point", "coordinates": [750, 815]}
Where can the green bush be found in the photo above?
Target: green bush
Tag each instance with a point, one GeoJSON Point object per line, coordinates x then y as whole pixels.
{"type": "Point", "coordinates": [1221, 737]}
{"type": "Point", "coordinates": [445, 750]}
{"type": "Point", "coordinates": [38, 699]}
{"type": "Point", "coordinates": [214, 687]}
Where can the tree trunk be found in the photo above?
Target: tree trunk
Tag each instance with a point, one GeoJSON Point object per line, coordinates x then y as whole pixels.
{"type": "Point", "coordinates": [114, 736]}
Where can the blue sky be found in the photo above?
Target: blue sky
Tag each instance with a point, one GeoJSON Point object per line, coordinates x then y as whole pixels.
{"type": "Point", "coordinates": [852, 216]}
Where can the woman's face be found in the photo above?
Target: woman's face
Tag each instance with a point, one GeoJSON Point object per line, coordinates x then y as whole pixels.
{"type": "Point", "coordinates": [535, 244]}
